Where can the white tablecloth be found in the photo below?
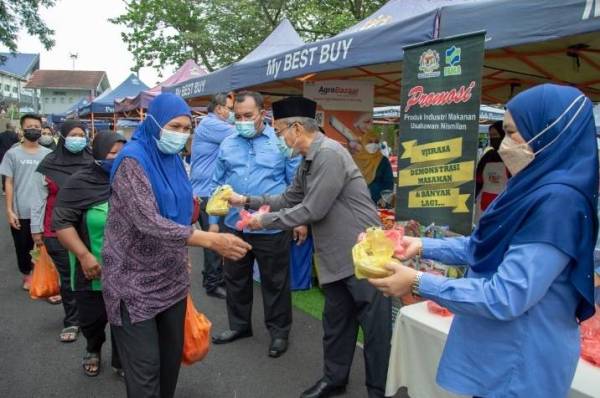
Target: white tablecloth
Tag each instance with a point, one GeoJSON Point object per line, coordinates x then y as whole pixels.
{"type": "Point", "coordinates": [417, 345]}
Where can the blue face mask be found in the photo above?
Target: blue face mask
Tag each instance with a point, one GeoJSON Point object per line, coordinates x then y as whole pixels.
{"type": "Point", "coordinates": [231, 118]}
{"type": "Point", "coordinates": [284, 148]}
{"type": "Point", "coordinates": [246, 128]}
{"type": "Point", "coordinates": [106, 165]}
{"type": "Point", "coordinates": [170, 142]}
{"type": "Point", "coordinates": [75, 144]}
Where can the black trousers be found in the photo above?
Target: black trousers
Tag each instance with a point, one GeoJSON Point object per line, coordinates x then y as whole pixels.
{"type": "Point", "coordinates": [93, 320]}
{"type": "Point", "coordinates": [60, 257]}
{"type": "Point", "coordinates": [349, 303]}
{"type": "Point", "coordinates": [151, 351]}
{"type": "Point", "coordinates": [23, 245]}
{"type": "Point", "coordinates": [212, 276]}
{"type": "Point", "coordinates": [272, 253]}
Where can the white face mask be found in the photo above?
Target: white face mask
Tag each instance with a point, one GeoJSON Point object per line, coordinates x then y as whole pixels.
{"type": "Point", "coordinates": [372, 148]}
{"type": "Point", "coordinates": [518, 156]}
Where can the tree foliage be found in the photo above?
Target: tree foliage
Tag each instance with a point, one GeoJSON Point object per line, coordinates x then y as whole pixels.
{"type": "Point", "coordinates": [215, 33]}
{"type": "Point", "coordinates": [19, 14]}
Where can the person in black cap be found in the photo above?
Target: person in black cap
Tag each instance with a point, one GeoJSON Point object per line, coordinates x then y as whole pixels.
{"type": "Point", "coordinates": [330, 193]}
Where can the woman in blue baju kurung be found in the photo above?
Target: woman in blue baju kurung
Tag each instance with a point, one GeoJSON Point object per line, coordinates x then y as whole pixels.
{"type": "Point", "coordinates": [530, 259]}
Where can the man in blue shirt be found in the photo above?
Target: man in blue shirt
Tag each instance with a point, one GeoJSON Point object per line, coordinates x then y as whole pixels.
{"type": "Point", "coordinates": [251, 164]}
{"type": "Point", "coordinates": [209, 134]}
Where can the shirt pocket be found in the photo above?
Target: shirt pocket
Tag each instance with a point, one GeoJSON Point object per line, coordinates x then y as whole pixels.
{"type": "Point", "coordinates": [269, 159]}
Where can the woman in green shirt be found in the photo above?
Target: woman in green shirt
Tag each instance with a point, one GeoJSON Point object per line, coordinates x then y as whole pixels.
{"type": "Point", "coordinates": [79, 218]}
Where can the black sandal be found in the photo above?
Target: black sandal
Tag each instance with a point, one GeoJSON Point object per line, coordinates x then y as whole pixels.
{"type": "Point", "coordinates": [90, 360]}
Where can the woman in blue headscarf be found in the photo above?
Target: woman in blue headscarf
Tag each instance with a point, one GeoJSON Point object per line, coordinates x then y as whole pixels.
{"type": "Point", "coordinates": [145, 260]}
{"type": "Point", "coordinates": [530, 260]}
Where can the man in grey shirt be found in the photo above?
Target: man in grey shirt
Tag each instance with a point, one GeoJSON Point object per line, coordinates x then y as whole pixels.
{"type": "Point", "coordinates": [330, 193]}
{"type": "Point", "coordinates": [18, 166]}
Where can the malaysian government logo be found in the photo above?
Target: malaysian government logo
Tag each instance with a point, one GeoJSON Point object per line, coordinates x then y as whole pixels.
{"type": "Point", "coordinates": [453, 59]}
{"type": "Point", "coordinates": [429, 64]}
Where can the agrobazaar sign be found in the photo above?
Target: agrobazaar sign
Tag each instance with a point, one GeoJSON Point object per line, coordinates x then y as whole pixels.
{"type": "Point", "coordinates": [342, 95]}
{"type": "Point", "coordinates": [441, 91]}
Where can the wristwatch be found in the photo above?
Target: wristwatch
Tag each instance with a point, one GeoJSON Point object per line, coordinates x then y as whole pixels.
{"type": "Point", "coordinates": [247, 203]}
{"type": "Point", "coordinates": [416, 283]}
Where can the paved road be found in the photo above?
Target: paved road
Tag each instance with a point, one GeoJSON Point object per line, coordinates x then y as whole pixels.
{"type": "Point", "coordinates": [33, 364]}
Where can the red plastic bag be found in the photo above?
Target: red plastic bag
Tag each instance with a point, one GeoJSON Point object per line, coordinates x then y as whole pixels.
{"type": "Point", "coordinates": [246, 216]}
{"type": "Point", "coordinates": [196, 334]}
{"type": "Point", "coordinates": [437, 309]}
{"type": "Point", "coordinates": [44, 281]}
{"type": "Point", "coordinates": [590, 339]}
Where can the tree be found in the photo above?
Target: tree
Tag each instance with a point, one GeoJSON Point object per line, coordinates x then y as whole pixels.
{"type": "Point", "coordinates": [18, 14]}
{"type": "Point", "coordinates": [216, 33]}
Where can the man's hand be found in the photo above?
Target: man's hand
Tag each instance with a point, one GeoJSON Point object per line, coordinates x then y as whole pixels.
{"type": "Point", "coordinates": [255, 222]}
{"type": "Point", "coordinates": [38, 239]}
{"type": "Point", "coordinates": [214, 228]}
{"type": "Point", "coordinates": [300, 234]}
{"type": "Point", "coordinates": [412, 247]}
{"type": "Point", "coordinates": [13, 220]}
{"type": "Point", "coordinates": [90, 267]}
{"type": "Point", "coordinates": [399, 283]}
{"type": "Point", "coordinates": [228, 245]}
{"type": "Point", "coordinates": [236, 200]}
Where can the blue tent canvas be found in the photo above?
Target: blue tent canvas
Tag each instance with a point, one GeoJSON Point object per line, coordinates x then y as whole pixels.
{"type": "Point", "coordinates": [105, 103]}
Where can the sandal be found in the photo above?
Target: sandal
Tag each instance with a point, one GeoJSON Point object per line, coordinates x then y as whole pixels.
{"type": "Point", "coordinates": [91, 364]}
{"type": "Point", "coordinates": [69, 335]}
{"type": "Point", "coordinates": [54, 300]}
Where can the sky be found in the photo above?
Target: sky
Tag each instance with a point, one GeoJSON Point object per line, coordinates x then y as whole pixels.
{"type": "Point", "coordinates": [82, 27]}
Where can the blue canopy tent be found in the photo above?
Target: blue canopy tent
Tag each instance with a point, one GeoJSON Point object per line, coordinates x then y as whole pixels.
{"type": "Point", "coordinates": [284, 37]}
{"type": "Point", "coordinates": [103, 106]}
{"type": "Point", "coordinates": [545, 41]}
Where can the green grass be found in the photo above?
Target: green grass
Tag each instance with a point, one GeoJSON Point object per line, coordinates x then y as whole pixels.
{"type": "Point", "coordinates": [312, 302]}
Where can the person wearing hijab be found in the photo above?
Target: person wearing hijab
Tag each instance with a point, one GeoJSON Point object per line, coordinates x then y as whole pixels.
{"type": "Point", "coordinates": [71, 155]}
{"type": "Point", "coordinates": [491, 175]}
{"type": "Point", "coordinates": [78, 218]}
{"type": "Point", "coordinates": [145, 277]}
{"type": "Point", "coordinates": [375, 167]}
{"type": "Point", "coordinates": [530, 260]}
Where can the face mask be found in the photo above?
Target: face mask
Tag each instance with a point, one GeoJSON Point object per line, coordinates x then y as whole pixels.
{"type": "Point", "coordinates": [287, 151]}
{"type": "Point", "coordinates": [75, 144]}
{"type": "Point", "coordinates": [231, 118]}
{"type": "Point", "coordinates": [246, 128]}
{"type": "Point", "coordinates": [518, 156]}
{"type": "Point", "coordinates": [172, 142]}
{"type": "Point", "coordinates": [106, 165]}
{"type": "Point", "coordinates": [372, 148]}
{"type": "Point", "coordinates": [32, 134]}
{"type": "Point", "coordinates": [46, 140]}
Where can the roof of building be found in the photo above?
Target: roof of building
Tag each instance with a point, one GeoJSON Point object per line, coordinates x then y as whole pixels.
{"type": "Point", "coordinates": [18, 64]}
{"type": "Point", "coordinates": [66, 79]}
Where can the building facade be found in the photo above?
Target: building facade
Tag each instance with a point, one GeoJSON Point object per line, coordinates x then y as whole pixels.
{"type": "Point", "coordinates": [15, 70]}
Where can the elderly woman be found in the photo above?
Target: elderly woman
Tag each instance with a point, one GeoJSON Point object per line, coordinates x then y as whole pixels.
{"type": "Point", "coordinates": [145, 277]}
{"type": "Point", "coordinates": [530, 278]}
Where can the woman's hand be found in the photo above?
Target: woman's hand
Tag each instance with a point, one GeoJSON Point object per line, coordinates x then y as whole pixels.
{"type": "Point", "coordinates": [90, 267]}
{"type": "Point", "coordinates": [412, 247]}
{"type": "Point", "coordinates": [228, 245]}
{"type": "Point", "coordinates": [13, 220]}
{"type": "Point", "coordinates": [38, 239]}
{"type": "Point", "coordinates": [399, 283]}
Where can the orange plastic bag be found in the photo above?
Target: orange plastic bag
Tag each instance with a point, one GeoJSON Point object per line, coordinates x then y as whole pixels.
{"type": "Point", "coordinates": [44, 281]}
{"type": "Point", "coordinates": [196, 334]}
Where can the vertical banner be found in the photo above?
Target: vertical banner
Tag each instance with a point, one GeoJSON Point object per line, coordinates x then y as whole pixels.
{"type": "Point", "coordinates": [441, 93]}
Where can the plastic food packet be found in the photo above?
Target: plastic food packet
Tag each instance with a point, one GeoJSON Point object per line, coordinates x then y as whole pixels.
{"type": "Point", "coordinates": [35, 255]}
{"type": "Point", "coordinates": [218, 204]}
{"type": "Point", "coordinates": [437, 309]}
{"type": "Point", "coordinates": [372, 253]}
{"type": "Point", "coordinates": [590, 339]}
{"type": "Point", "coordinates": [246, 216]}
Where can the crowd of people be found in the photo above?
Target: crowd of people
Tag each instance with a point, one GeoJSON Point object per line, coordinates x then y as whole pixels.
{"type": "Point", "coordinates": [117, 219]}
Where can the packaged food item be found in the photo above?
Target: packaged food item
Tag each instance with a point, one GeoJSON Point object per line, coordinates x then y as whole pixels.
{"type": "Point", "coordinates": [372, 253]}
{"type": "Point", "coordinates": [218, 204]}
{"type": "Point", "coordinates": [590, 339]}
{"type": "Point", "coordinates": [437, 309]}
{"type": "Point", "coordinates": [246, 216]}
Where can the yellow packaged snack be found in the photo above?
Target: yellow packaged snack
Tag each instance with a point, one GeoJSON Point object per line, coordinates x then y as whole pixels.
{"type": "Point", "coordinates": [372, 254]}
{"type": "Point", "coordinates": [218, 204]}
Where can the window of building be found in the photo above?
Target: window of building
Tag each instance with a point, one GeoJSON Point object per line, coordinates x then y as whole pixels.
{"type": "Point", "coordinates": [46, 99]}
{"type": "Point", "coordinates": [62, 100]}
{"type": "Point", "coordinates": [6, 87]}
{"type": "Point", "coordinates": [54, 100]}
{"type": "Point", "coordinates": [15, 89]}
